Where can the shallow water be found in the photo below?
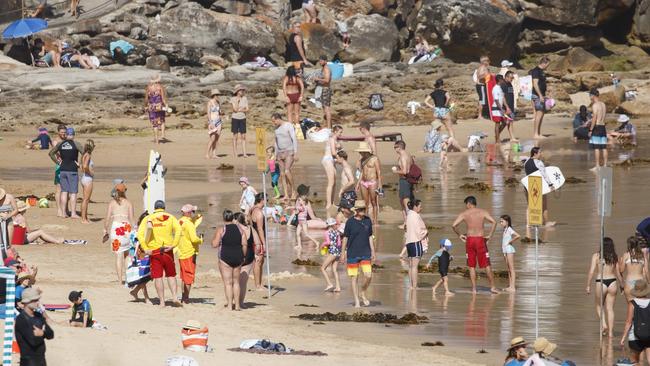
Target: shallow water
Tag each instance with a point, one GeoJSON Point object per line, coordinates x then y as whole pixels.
{"type": "Point", "coordinates": [567, 314]}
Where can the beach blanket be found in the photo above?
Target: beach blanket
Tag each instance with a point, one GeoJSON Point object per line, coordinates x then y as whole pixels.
{"type": "Point", "coordinates": [125, 46]}
{"type": "Point", "coordinates": [259, 62]}
{"type": "Point", "coordinates": [293, 353]}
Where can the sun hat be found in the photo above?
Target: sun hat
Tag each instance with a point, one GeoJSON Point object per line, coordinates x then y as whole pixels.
{"type": "Point", "coordinates": [3, 193]}
{"type": "Point", "coordinates": [445, 243]}
{"type": "Point", "coordinates": [359, 204]}
{"type": "Point", "coordinates": [188, 208]}
{"type": "Point", "coordinates": [363, 147]}
{"type": "Point", "coordinates": [517, 342]}
{"type": "Point", "coordinates": [30, 294]}
{"type": "Point", "coordinates": [303, 190]}
{"type": "Point", "coordinates": [506, 63]}
{"type": "Point", "coordinates": [641, 289]}
{"type": "Point", "coordinates": [623, 118]}
{"type": "Point", "coordinates": [193, 324]}
{"type": "Point", "coordinates": [24, 275]}
{"type": "Point", "coordinates": [22, 206]}
{"type": "Point", "coordinates": [74, 295]}
{"type": "Point", "coordinates": [544, 346]}
{"type": "Point", "coordinates": [214, 92]}
{"type": "Point", "coordinates": [436, 124]}
{"type": "Point", "coordinates": [330, 222]}
{"type": "Point", "coordinates": [238, 87]}
{"type": "Point", "coordinates": [244, 180]}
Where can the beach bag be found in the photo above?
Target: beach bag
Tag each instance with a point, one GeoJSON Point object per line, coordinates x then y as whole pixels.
{"type": "Point", "coordinates": [307, 124]}
{"type": "Point", "coordinates": [641, 322]}
{"type": "Point", "coordinates": [195, 340]}
{"type": "Point", "coordinates": [376, 102]}
{"type": "Point", "coordinates": [414, 175]}
{"type": "Point", "coordinates": [138, 272]}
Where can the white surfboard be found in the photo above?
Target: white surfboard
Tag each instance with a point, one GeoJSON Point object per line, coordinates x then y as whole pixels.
{"type": "Point", "coordinates": [155, 182]}
{"type": "Point", "coordinates": [554, 175]}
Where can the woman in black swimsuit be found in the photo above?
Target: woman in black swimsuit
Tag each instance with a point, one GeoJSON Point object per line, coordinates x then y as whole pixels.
{"type": "Point", "coordinates": [231, 243]}
{"type": "Point", "coordinates": [607, 283]}
{"type": "Point", "coordinates": [252, 240]}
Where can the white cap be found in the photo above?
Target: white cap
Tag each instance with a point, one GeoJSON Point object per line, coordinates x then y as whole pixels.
{"type": "Point", "coordinates": [623, 118]}
{"type": "Point", "coordinates": [506, 63]}
{"type": "Point", "coordinates": [330, 222]}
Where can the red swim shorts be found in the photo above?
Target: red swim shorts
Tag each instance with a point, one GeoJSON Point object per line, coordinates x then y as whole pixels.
{"type": "Point", "coordinates": [162, 263]}
{"type": "Point", "coordinates": [476, 250]}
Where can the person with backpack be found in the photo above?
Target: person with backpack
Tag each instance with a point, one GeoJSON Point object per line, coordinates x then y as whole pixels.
{"type": "Point", "coordinates": [637, 323]}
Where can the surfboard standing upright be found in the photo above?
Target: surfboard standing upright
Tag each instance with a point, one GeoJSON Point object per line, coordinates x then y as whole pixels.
{"type": "Point", "coordinates": [155, 189]}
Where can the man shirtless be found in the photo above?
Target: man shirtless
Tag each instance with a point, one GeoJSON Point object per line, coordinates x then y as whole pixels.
{"type": "Point", "coordinates": [597, 129]}
{"type": "Point", "coordinates": [479, 80]}
{"type": "Point", "coordinates": [326, 93]}
{"type": "Point", "coordinates": [475, 240]}
{"type": "Point", "coordinates": [368, 181]}
{"type": "Point", "coordinates": [402, 169]}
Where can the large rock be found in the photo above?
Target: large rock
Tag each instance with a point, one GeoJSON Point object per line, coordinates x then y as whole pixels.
{"type": "Point", "coordinates": [543, 40]}
{"type": "Point", "coordinates": [194, 26]}
{"type": "Point", "coordinates": [372, 37]}
{"type": "Point", "coordinates": [576, 60]}
{"type": "Point", "coordinates": [467, 29]}
{"type": "Point", "coordinates": [277, 10]}
{"type": "Point", "coordinates": [320, 40]}
{"type": "Point", "coordinates": [562, 12]}
{"type": "Point", "coordinates": [90, 27]}
{"type": "Point", "coordinates": [180, 54]}
{"type": "Point", "coordinates": [610, 9]}
{"type": "Point", "coordinates": [237, 7]}
{"type": "Point", "coordinates": [640, 35]}
{"type": "Point", "coordinates": [158, 62]}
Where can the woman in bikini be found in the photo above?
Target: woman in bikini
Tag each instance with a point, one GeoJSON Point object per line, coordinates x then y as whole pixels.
{"type": "Point", "coordinates": [632, 265]}
{"type": "Point", "coordinates": [332, 146]}
{"type": "Point", "coordinates": [118, 227]}
{"type": "Point", "coordinates": [368, 178]}
{"type": "Point", "coordinates": [293, 89]}
{"type": "Point", "coordinates": [214, 123]}
{"type": "Point", "coordinates": [607, 282]}
{"type": "Point", "coordinates": [88, 169]}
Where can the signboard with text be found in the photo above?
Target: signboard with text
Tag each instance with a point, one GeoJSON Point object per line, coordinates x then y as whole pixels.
{"type": "Point", "coordinates": [535, 207]}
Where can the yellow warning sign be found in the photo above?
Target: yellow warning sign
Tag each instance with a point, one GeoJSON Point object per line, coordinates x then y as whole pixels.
{"type": "Point", "coordinates": [535, 208]}
{"type": "Point", "coordinates": [260, 148]}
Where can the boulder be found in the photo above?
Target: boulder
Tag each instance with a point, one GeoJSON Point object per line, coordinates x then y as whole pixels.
{"type": "Point", "coordinates": [194, 26]}
{"type": "Point", "coordinates": [320, 40]}
{"type": "Point", "coordinates": [123, 28]}
{"type": "Point", "coordinates": [610, 9]}
{"type": "Point", "coordinates": [640, 35]}
{"type": "Point", "coordinates": [138, 33]}
{"type": "Point", "coordinates": [237, 7]}
{"type": "Point", "coordinates": [372, 37]}
{"type": "Point", "coordinates": [214, 62]}
{"type": "Point", "coordinates": [612, 97]}
{"type": "Point", "coordinates": [158, 62]}
{"type": "Point", "coordinates": [277, 10]}
{"type": "Point", "coordinates": [467, 29]}
{"type": "Point", "coordinates": [237, 73]}
{"type": "Point", "coordinates": [180, 54]}
{"type": "Point", "coordinates": [90, 27]}
{"type": "Point", "coordinates": [543, 40]}
{"type": "Point", "coordinates": [576, 60]}
{"type": "Point", "coordinates": [562, 12]}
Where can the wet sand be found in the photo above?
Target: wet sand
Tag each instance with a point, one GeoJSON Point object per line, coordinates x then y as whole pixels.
{"type": "Point", "coordinates": [465, 324]}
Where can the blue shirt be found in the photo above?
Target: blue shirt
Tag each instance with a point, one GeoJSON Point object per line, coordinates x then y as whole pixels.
{"type": "Point", "coordinates": [515, 363]}
{"type": "Point", "coordinates": [358, 233]}
{"type": "Point", "coordinates": [45, 141]}
{"type": "Point", "coordinates": [78, 311]}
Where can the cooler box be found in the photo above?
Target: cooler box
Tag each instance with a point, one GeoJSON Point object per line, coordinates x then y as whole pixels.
{"type": "Point", "coordinates": [348, 70]}
{"type": "Point", "coordinates": [336, 69]}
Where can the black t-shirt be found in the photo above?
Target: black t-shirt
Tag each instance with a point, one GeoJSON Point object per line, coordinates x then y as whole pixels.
{"type": "Point", "coordinates": [538, 74]}
{"type": "Point", "coordinates": [443, 263]}
{"type": "Point", "coordinates": [439, 98]}
{"type": "Point", "coordinates": [358, 233]}
{"type": "Point", "coordinates": [69, 155]}
{"type": "Point", "coordinates": [530, 167]}
{"type": "Point", "coordinates": [31, 347]}
{"type": "Point", "coordinates": [509, 92]}
{"type": "Point", "coordinates": [293, 54]}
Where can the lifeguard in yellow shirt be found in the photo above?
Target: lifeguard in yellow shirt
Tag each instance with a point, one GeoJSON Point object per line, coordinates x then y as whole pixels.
{"type": "Point", "coordinates": [188, 248]}
{"type": "Point", "coordinates": [158, 234]}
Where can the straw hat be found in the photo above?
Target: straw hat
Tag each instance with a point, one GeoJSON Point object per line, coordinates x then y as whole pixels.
{"type": "Point", "coordinates": [363, 147]}
{"type": "Point", "coordinates": [214, 92]}
{"type": "Point", "coordinates": [359, 205]}
{"type": "Point", "coordinates": [238, 87]}
{"type": "Point", "coordinates": [623, 118]}
{"type": "Point", "coordinates": [641, 289]}
{"type": "Point", "coordinates": [544, 346]}
{"type": "Point", "coordinates": [517, 342]}
{"type": "Point", "coordinates": [22, 206]}
{"type": "Point", "coordinates": [24, 275]}
{"type": "Point", "coordinates": [30, 294]}
{"type": "Point", "coordinates": [436, 124]}
{"type": "Point", "coordinates": [193, 324]}
{"type": "Point", "coordinates": [3, 193]}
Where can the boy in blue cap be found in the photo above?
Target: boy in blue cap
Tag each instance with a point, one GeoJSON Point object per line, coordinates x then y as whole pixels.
{"type": "Point", "coordinates": [443, 265]}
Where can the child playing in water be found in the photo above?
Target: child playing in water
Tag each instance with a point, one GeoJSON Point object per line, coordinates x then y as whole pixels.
{"type": "Point", "coordinates": [43, 139]}
{"type": "Point", "coordinates": [300, 210]}
{"type": "Point", "coordinates": [509, 237]}
{"type": "Point", "coordinates": [443, 265]}
{"type": "Point", "coordinates": [273, 168]}
{"type": "Point", "coordinates": [332, 245]}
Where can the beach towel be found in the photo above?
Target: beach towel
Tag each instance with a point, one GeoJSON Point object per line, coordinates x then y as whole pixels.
{"type": "Point", "coordinates": [260, 62]}
{"type": "Point", "coordinates": [264, 346]}
{"type": "Point", "coordinates": [138, 271]}
{"type": "Point", "coordinates": [526, 87]}
{"type": "Point", "coordinates": [316, 135]}
{"type": "Point", "coordinates": [125, 46]}
{"type": "Point", "coordinates": [293, 353]}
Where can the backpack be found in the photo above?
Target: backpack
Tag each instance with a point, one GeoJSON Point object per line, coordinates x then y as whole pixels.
{"type": "Point", "coordinates": [376, 102]}
{"type": "Point", "coordinates": [414, 175]}
{"type": "Point", "coordinates": [641, 322]}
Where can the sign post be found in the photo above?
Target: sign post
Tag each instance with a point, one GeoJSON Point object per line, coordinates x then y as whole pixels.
{"type": "Point", "coordinates": [536, 218]}
{"type": "Point", "coordinates": [260, 152]}
{"type": "Point", "coordinates": [604, 199]}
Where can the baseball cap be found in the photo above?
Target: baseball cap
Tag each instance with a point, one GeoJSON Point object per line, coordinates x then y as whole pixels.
{"type": "Point", "coordinates": [188, 208]}
{"type": "Point", "coordinates": [159, 204]}
{"type": "Point", "coordinates": [74, 295]}
{"type": "Point", "coordinates": [445, 243]}
{"type": "Point", "coordinates": [69, 131]}
{"type": "Point", "coordinates": [506, 63]}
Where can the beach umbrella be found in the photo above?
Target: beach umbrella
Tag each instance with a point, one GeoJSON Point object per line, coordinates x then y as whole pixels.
{"type": "Point", "coordinates": [24, 27]}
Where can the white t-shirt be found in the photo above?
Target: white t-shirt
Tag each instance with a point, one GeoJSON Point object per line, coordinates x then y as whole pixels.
{"type": "Point", "coordinates": [507, 236]}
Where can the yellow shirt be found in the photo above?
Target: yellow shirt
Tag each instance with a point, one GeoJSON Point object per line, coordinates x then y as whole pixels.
{"type": "Point", "coordinates": [189, 243]}
{"type": "Point", "coordinates": [166, 231]}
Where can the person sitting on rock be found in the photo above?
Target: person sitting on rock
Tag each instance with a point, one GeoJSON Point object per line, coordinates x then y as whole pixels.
{"type": "Point", "coordinates": [43, 57]}
{"type": "Point", "coordinates": [70, 57]}
{"type": "Point", "coordinates": [423, 51]}
{"type": "Point", "coordinates": [581, 123]}
{"type": "Point", "coordinates": [625, 133]}
{"type": "Point", "coordinates": [310, 11]}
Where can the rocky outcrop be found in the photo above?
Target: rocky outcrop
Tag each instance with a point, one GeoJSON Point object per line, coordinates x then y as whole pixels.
{"type": "Point", "coordinates": [467, 29]}
{"type": "Point", "coordinates": [640, 35]}
{"type": "Point", "coordinates": [372, 37]}
{"type": "Point", "coordinates": [158, 62]}
{"type": "Point", "coordinates": [237, 7]}
{"type": "Point", "coordinates": [576, 60]}
{"type": "Point", "coordinates": [562, 12]}
{"type": "Point", "coordinates": [320, 40]}
{"type": "Point", "coordinates": [540, 39]}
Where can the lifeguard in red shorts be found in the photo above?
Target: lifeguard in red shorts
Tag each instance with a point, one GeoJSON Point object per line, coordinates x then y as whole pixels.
{"type": "Point", "coordinates": [475, 240]}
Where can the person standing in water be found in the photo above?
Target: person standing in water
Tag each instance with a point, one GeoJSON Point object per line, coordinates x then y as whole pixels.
{"type": "Point", "coordinates": [332, 246]}
{"type": "Point", "coordinates": [347, 177]}
{"type": "Point", "coordinates": [597, 129]}
{"type": "Point", "coordinates": [286, 148]}
{"type": "Point", "coordinates": [215, 123]}
{"type": "Point", "coordinates": [358, 250]}
{"type": "Point", "coordinates": [402, 169]}
{"type": "Point", "coordinates": [509, 237]}
{"type": "Point", "coordinates": [632, 265]}
{"type": "Point", "coordinates": [607, 283]}
{"type": "Point", "coordinates": [369, 178]}
{"type": "Point", "coordinates": [415, 240]}
{"type": "Point", "coordinates": [258, 222]}
{"type": "Point", "coordinates": [331, 147]}
{"type": "Point", "coordinates": [476, 240]}
{"type": "Point", "coordinates": [532, 165]}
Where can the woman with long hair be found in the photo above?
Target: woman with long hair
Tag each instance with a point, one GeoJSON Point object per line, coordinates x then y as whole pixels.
{"type": "Point", "coordinates": [332, 146]}
{"type": "Point", "coordinates": [118, 227]}
{"type": "Point", "coordinates": [517, 354]}
{"type": "Point", "coordinates": [231, 243]}
{"type": "Point", "coordinates": [509, 237]}
{"type": "Point", "coordinates": [632, 265]}
{"type": "Point", "coordinates": [637, 306]}
{"type": "Point", "coordinates": [293, 89]}
{"type": "Point", "coordinates": [155, 99]}
{"type": "Point", "coordinates": [88, 170]}
{"type": "Point", "coordinates": [607, 282]}
{"type": "Point", "coordinates": [215, 123]}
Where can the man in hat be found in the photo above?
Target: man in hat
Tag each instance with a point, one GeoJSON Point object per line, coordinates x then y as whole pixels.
{"type": "Point", "coordinates": [259, 224]}
{"type": "Point", "coordinates": [66, 154]}
{"type": "Point", "coordinates": [358, 251]}
{"type": "Point", "coordinates": [475, 240]}
{"type": "Point", "coordinates": [323, 81]}
{"type": "Point", "coordinates": [625, 133]}
{"type": "Point", "coordinates": [286, 150]}
{"type": "Point", "coordinates": [239, 104]}
{"type": "Point", "coordinates": [188, 249]}
{"type": "Point", "coordinates": [158, 234]}
{"type": "Point", "coordinates": [32, 329]}
{"type": "Point", "coordinates": [405, 191]}
{"type": "Point", "coordinates": [370, 179]}
{"type": "Point", "coordinates": [597, 129]}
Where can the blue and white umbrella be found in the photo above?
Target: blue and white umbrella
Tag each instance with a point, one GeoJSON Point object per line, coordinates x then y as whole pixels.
{"type": "Point", "coordinates": [24, 27]}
